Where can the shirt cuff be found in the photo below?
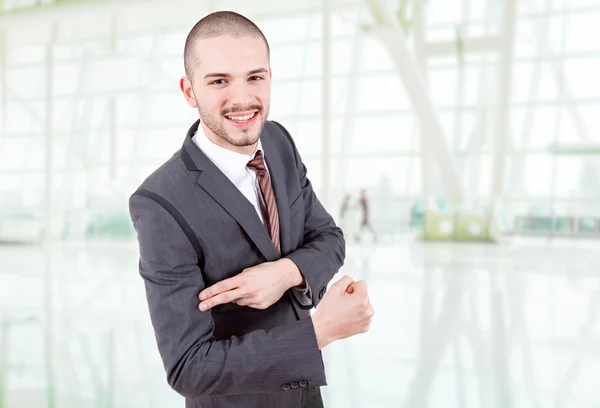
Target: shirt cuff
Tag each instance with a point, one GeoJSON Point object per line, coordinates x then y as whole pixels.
{"type": "Point", "coordinates": [303, 295]}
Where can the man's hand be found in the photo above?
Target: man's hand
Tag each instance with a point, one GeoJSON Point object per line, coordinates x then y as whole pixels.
{"type": "Point", "coordinates": [344, 311]}
{"type": "Point", "coordinates": [259, 286]}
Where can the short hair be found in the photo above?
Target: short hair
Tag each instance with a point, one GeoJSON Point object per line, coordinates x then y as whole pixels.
{"type": "Point", "coordinates": [217, 24]}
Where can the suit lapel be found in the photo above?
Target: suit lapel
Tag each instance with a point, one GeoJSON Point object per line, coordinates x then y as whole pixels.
{"type": "Point", "coordinates": [277, 174]}
{"type": "Point", "coordinates": [224, 192]}
{"type": "Point", "coordinates": [229, 197]}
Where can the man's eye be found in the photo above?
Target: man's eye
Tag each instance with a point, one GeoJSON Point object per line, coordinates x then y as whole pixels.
{"type": "Point", "coordinates": [255, 78]}
{"type": "Point", "coordinates": [218, 82]}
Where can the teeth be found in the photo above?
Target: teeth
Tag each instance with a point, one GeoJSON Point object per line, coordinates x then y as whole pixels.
{"type": "Point", "coordinates": [241, 118]}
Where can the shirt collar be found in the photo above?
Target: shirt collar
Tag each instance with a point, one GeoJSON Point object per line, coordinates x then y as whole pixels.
{"type": "Point", "coordinates": [232, 164]}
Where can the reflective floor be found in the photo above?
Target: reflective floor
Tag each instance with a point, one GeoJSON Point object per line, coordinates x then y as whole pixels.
{"type": "Point", "coordinates": [456, 325]}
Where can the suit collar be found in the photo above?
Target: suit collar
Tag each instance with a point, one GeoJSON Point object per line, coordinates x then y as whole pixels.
{"type": "Point", "coordinates": [192, 157]}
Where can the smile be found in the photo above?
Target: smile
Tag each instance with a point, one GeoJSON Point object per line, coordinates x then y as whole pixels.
{"type": "Point", "coordinates": [241, 118]}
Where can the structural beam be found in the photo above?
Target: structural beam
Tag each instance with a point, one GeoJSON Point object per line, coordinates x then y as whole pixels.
{"type": "Point", "coordinates": [498, 343]}
{"type": "Point", "coordinates": [392, 37]}
{"type": "Point", "coordinates": [349, 114]}
{"type": "Point", "coordinates": [49, 357]}
{"type": "Point", "coordinates": [3, 84]}
{"type": "Point", "coordinates": [502, 135]}
{"type": "Point", "coordinates": [469, 45]}
{"type": "Point", "coordinates": [4, 360]}
{"type": "Point", "coordinates": [112, 112]}
{"type": "Point", "coordinates": [518, 162]}
{"type": "Point", "coordinates": [427, 169]}
{"type": "Point", "coordinates": [326, 103]}
{"type": "Point", "coordinates": [49, 218]}
{"type": "Point", "coordinates": [186, 12]}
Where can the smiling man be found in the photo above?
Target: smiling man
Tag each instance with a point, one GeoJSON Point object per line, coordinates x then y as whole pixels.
{"type": "Point", "coordinates": [235, 247]}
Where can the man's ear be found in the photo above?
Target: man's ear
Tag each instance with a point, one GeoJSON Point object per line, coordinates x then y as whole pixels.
{"type": "Point", "coordinates": [186, 87]}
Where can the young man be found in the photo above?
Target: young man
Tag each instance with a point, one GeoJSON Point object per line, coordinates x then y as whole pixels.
{"type": "Point", "coordinates": [235, 247]}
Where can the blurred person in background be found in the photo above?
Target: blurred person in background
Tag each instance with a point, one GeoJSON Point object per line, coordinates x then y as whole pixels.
{"type": "Point", "coordinates": [365, 222]}
{"type": "Point", "coordinates": [349, 217]}
{"type": "Point", "coordinates": [235, 247]}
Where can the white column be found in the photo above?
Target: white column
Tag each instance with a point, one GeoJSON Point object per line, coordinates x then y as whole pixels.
{"type": "Point", "coordinates": [516, 179]}
{"type": "Point", "coordinates": [50, 220]}
{"type": "Point", "coordinates": [49, 328]}
{"type": "Point", "coordinates": [3, 83]}
{"type": "Point", "coordinates": [112, 111]}
{"type": "Point", "coordinates": [426, 162]}
{"type": "Point", "coordinates": [350, 113]}
{"type": "Point", "coordinates": [498, 342]}
{"type": "Point", "coordinates": [326, 102]}
{"type": "Point", "coordinates": [4, 328]}
{"type": "Point", "coordinates": [504, 97]}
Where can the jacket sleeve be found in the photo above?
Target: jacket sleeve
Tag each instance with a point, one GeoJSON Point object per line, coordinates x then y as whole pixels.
{"type": "Point", "coordinates": [195, 362]}
{"type": "Point", "coordinates": [324, 249]}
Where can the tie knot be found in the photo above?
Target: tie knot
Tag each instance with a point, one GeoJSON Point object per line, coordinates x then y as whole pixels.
{"type": "Point", "coordinates": [258, 163]}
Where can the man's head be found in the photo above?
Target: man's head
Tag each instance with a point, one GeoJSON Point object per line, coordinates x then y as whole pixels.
{"type": "Point", "coordinates": [228, 79]}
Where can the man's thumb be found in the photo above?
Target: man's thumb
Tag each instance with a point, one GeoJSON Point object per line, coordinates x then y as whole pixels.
{"type": "Point", "coordinates": [359, 286]}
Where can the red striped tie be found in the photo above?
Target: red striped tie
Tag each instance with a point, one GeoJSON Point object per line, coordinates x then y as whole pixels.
{"type": "Point", "coordinates": [264, 181]}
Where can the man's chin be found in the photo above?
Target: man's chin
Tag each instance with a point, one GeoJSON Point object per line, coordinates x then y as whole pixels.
{"type": "Point", "coordinates": [242, 138]}
{"type": "Point", "coordinates": [249, 134]}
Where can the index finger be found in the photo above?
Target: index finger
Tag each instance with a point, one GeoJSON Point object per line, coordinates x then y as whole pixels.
{"type": "Point", "coordinates": [344, 282]}
{"type": "Point", "coordinates": [360, 286]}
{"type": "Point", "coordinates": [219, 287]}
{"type": "Point", "coordinates": [220, 299]}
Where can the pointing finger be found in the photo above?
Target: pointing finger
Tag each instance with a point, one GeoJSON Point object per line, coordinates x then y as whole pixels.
{"type": "Point", "coordinates": [219, 299]}
{"type": "Point", "coordinates": [219, 287]}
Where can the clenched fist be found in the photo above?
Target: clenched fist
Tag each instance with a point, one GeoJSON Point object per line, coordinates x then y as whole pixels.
{"type": "Point", "coordinates": [344, 311]}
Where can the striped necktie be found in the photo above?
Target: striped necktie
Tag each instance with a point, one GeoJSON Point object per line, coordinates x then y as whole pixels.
{"type": "Point", "coordinates": [266, 189]}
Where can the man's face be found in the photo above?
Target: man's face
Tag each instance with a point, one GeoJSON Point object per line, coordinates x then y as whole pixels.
{"type": "Point", "coordinates": [232, 89]}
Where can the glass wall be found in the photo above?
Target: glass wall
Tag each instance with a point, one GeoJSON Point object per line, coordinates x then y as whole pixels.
{"type": "Point", "coordinates": [90, 107]}
{"type": "Point", "coordinates": [102, 109]}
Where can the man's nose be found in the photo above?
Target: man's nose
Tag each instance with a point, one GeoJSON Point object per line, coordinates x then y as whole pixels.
{"type": "Point", "coordinates": [240, 94]}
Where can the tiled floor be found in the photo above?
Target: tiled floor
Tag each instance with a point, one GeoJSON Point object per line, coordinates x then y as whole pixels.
{"type": "Point", "coordinates": [456, 325]}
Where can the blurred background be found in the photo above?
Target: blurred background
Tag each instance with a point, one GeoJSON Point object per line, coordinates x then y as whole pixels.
{"type": "Point", "coordinates": [465, 132]}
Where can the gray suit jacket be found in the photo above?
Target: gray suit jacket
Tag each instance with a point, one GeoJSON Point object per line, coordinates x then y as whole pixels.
{"type": "Point", "coordinates": [194, 229]}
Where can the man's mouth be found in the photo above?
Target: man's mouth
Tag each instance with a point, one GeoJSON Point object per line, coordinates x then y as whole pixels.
{"type": "Point", "coordinates": [241, 118]}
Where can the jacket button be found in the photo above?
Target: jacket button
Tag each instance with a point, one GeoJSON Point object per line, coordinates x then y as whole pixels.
{"type": "Point", "coordinates": [321, 293]}
{"type": "Point", "coordinates": [286, 387]}
{"type": "Point", "coordinates": [303, 383]}
{"type": "Point", "coordinates": [294, 385]}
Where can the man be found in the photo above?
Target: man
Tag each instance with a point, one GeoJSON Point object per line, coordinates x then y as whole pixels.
{"type": "Point", "coordinates": [365, 222]}
{"type": "Point", "coordinates": [235, 247]}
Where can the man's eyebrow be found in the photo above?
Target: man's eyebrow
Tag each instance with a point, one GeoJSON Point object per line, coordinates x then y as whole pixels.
{"type": "Point", "coordinates": [216, 74]}
{"type": "Point", "coordinates": [258, 71]}
{"type": "Point", "coordinates": [224, 75]}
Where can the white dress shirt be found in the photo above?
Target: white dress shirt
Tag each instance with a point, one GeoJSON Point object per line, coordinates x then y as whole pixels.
{"type": "Point", "coordinates": [235, 166]}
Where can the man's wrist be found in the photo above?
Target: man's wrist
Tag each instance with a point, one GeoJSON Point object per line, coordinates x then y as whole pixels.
{"type": "Point", "coordinates": [294, 276]}
{"type": "Point", "coordinates": [323, 339]}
